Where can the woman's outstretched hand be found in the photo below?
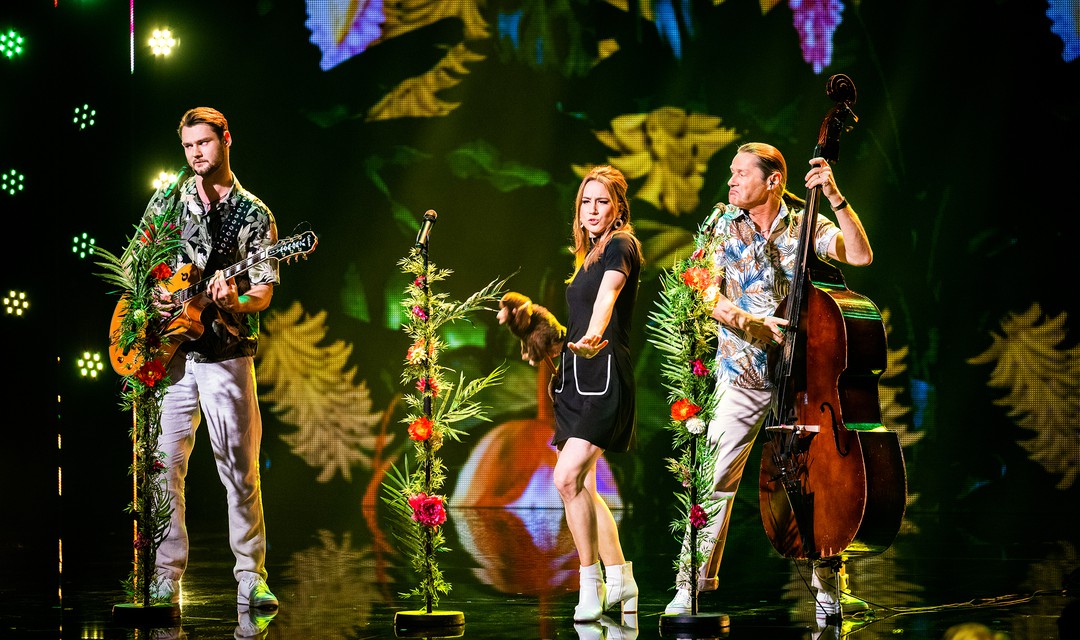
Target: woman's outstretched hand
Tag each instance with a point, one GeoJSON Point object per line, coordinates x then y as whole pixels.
{"type": "Point", "coordinates": [588, 346]}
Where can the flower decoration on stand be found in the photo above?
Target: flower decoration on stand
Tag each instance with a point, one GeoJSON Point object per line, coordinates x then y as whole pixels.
{"type": "Point", "coordinates": [435, 407]}
{"type": "Point", "coordinates": [684, 330]}
{"type": "Point", "coordinates": [138, 329]}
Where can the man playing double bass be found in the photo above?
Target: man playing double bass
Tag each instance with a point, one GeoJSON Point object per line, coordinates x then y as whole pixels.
{"type": "Point", "coordinates": [754, 250]}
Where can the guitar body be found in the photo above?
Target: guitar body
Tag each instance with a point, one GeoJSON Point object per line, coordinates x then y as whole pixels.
{"type": "Point", "coordinates": [186, 325]}
{"type": "Point", "coordinates": [189, 294]}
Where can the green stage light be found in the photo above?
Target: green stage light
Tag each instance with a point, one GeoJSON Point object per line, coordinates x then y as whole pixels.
{"type": "Point", "coordinates": [11, 44]}
{"type": "Point", "coordinates": [162, 42]}
{"type": "Point", "coordinates": [85, 117]}
{"type": "Point", "coordinates": [15, 303]}
{"type": "Point", "coordinates": [83, 245]}
{"type": "Point", "coordinates": [90, 365]}
{"type": "Point", "coordinates": [12, 182]}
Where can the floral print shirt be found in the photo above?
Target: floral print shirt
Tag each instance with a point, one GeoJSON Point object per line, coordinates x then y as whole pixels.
{"type": "Point", "coordinates": [755, 274]}
{"type": "Point", "coordinates": [246, 227]}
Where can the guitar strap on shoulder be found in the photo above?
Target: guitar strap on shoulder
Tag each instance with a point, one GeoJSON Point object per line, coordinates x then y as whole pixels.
{"type": "Point", "coordinates": [225, 236]}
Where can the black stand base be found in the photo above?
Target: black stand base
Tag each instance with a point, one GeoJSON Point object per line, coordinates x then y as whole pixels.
{"type": "Point", "coordinates": [161, 614]}
{"type": "Point", "coordinates": [422, 624]}
{"type": "Point", "coordinates": [699, 626]}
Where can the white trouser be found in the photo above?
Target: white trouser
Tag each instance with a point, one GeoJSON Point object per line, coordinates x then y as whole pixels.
{"type": "Point", "coordinates": [229, 402]}
{"type": "Point", "coordinates": [736, 423]}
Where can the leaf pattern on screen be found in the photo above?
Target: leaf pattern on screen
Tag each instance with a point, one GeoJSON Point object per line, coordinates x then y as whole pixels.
{"type": "Point", "coordinates": [310, 385]}
{"type": "Point", "coordinates": [670, 149]}
{"type": "Point", "coordinates": [1041, 379]}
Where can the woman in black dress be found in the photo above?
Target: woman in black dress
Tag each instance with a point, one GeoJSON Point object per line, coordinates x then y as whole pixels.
{"type": "Point", "coordinates": [593, 389]}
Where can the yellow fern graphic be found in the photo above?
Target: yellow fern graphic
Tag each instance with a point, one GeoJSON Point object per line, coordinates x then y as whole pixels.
{"type": "Point", "coordinates": [307, 385]}
{"type": "Point", "coordinates": [417, 97]}
{"type": "Point", "coordinates": [670, 149]}
{"type": "Point", "coordinates": [1041, 379]}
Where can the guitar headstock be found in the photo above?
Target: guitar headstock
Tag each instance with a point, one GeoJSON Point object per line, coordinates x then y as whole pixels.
{"type": "Point", "coordinates": [298, 246]}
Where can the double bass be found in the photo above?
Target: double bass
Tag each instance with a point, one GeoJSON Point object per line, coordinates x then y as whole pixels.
{"type": "Point", "coordinates": [832, 483]}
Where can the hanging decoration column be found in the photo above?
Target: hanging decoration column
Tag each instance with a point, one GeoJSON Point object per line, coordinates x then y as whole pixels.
{"type": "Point", "coordinates": [417, 509]}
{"type": "Point", "coordinates": [684, 330]}
{"type": "Point", "coordinates": [139, 350]}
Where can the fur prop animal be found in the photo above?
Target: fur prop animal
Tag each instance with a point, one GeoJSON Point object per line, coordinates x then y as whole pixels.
{"type": "Point", "coordinates": [541, 334]}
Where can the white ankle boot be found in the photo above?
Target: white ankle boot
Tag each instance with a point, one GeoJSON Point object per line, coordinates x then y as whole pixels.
{"type": "Point", "coordinates": [591, 594]}
{"type": "Point", "coordinates": [621, 587]}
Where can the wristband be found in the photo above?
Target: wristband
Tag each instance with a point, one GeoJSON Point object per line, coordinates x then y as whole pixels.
{"type": "Point", "coordinates": [842, 205]}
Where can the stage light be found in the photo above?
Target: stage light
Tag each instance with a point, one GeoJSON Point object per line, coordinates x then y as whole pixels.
{"type": "Point", "coordinates": [84, 116]}
{"type": "Point", "coordinates": [162, 42]}
{"type": "Point", "coordinates": [12, 182]}
{"type": "Point", "coordinates": [90, 365]}
{"type": "Point", "coordinates": [163, 179]}
{"type": "Point", "coordinates": [15, 303]}
{"type": "Point", "coordinates": [83, 245]}
{"type": "Point", "coordinates": [11, 44]}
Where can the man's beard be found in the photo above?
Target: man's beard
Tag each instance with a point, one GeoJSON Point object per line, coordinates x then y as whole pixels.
{"type": "Point", "coordinates": [207, 169]}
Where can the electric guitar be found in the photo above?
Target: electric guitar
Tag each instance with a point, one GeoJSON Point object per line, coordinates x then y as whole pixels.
{"type": "Point", "coordinates": [189, 294]}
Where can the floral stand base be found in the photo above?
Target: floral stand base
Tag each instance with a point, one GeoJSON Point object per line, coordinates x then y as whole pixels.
{"type": "Point", "coordinates": [703, 625]}
{"type": "Point", "coordinates": [433, 624]}
{"type": "Point", "coordinates": [160, 614]}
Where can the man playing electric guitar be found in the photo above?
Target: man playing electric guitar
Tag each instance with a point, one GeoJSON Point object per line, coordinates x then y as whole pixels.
{"type": "Point", "coordinates": [213, 375]}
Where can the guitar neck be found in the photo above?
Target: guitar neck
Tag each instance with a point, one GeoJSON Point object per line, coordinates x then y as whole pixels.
{"type": "Point", "coordinates": [186, 294]}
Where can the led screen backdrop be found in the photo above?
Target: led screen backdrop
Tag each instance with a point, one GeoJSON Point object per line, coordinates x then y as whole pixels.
{"type": "Point", "coordinates": [353, 119]}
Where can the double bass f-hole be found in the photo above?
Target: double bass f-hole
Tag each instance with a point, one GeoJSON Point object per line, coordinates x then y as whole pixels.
{"type": "Point", "coordinates": [842, 450]}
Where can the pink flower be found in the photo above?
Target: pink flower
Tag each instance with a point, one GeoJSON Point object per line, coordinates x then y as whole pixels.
{"type": "Point", "coordinates": [428, 510]}
{"type": "Point", "coordinates": [420, 282]}
{"type": "Point", "coordinates": [698, 368]}
{"type": "Point", "coordinates": [419, 312]}
{"type": "Point", "coordinates": [698, 518]}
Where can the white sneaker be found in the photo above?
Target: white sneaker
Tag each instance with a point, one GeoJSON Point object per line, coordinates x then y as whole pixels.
{"type": "Point", "coordinates": [252, 623]}
{"type": "Point", "coordinates": [827, 604]}
{"type": "Point", "coordinates": [165, 589]}
{"type": "Point", "coordinates": [252, 591]}
{"type": "Point", "coordinates": [680, 604]}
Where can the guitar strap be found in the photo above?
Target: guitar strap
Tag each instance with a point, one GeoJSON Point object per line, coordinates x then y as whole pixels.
{"type": "Point", "coordinates": [224, 235]}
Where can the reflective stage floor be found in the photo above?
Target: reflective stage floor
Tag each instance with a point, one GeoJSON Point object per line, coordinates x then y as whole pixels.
{"type": "Point", "coordinates": [513, 576]}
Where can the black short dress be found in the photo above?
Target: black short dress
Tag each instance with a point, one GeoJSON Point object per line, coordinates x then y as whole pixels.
{"type": "Point", "coordinates": [594, 397]}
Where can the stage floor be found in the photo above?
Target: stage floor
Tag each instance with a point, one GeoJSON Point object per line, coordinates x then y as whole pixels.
{"type": "Point", "coordinates": [512, 577]}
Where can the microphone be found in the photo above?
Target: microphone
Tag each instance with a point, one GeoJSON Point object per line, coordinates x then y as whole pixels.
{"type": "Point", "coordinates": [425, 230]}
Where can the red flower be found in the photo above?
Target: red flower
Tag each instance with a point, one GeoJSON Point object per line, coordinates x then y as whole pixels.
{"type": "Point", "coordinates": [698, 368]}
{"type": "Point", "coordinates": [150, 372]}
{"type": "Point", "coordinates": [420, 429]}
{"type": "Point", "coordinates": [698, 517]}
{"type": "Point", "coordinates": [157, 466]}
{"type": "Point", "coordinates": [420, 282]}
{"type": "Point", "coordinates": [141, 542]}
{"type": "Point", "coordinates": [161, 272]}
{"type": "Point", "coordinates": [425, 385]}
{"type": "Point", "coordinates": [684, 409]}
{"type": "Point", "coordinates": [419, 312]}
{"type": "Point", "coordinates": [428, 510]}
{"type": "Point", "coordinates": [697, 278]}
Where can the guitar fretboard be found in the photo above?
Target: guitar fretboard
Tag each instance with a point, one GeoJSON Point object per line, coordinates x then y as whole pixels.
{"type": "Point", "coordinates": [304, 243]}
